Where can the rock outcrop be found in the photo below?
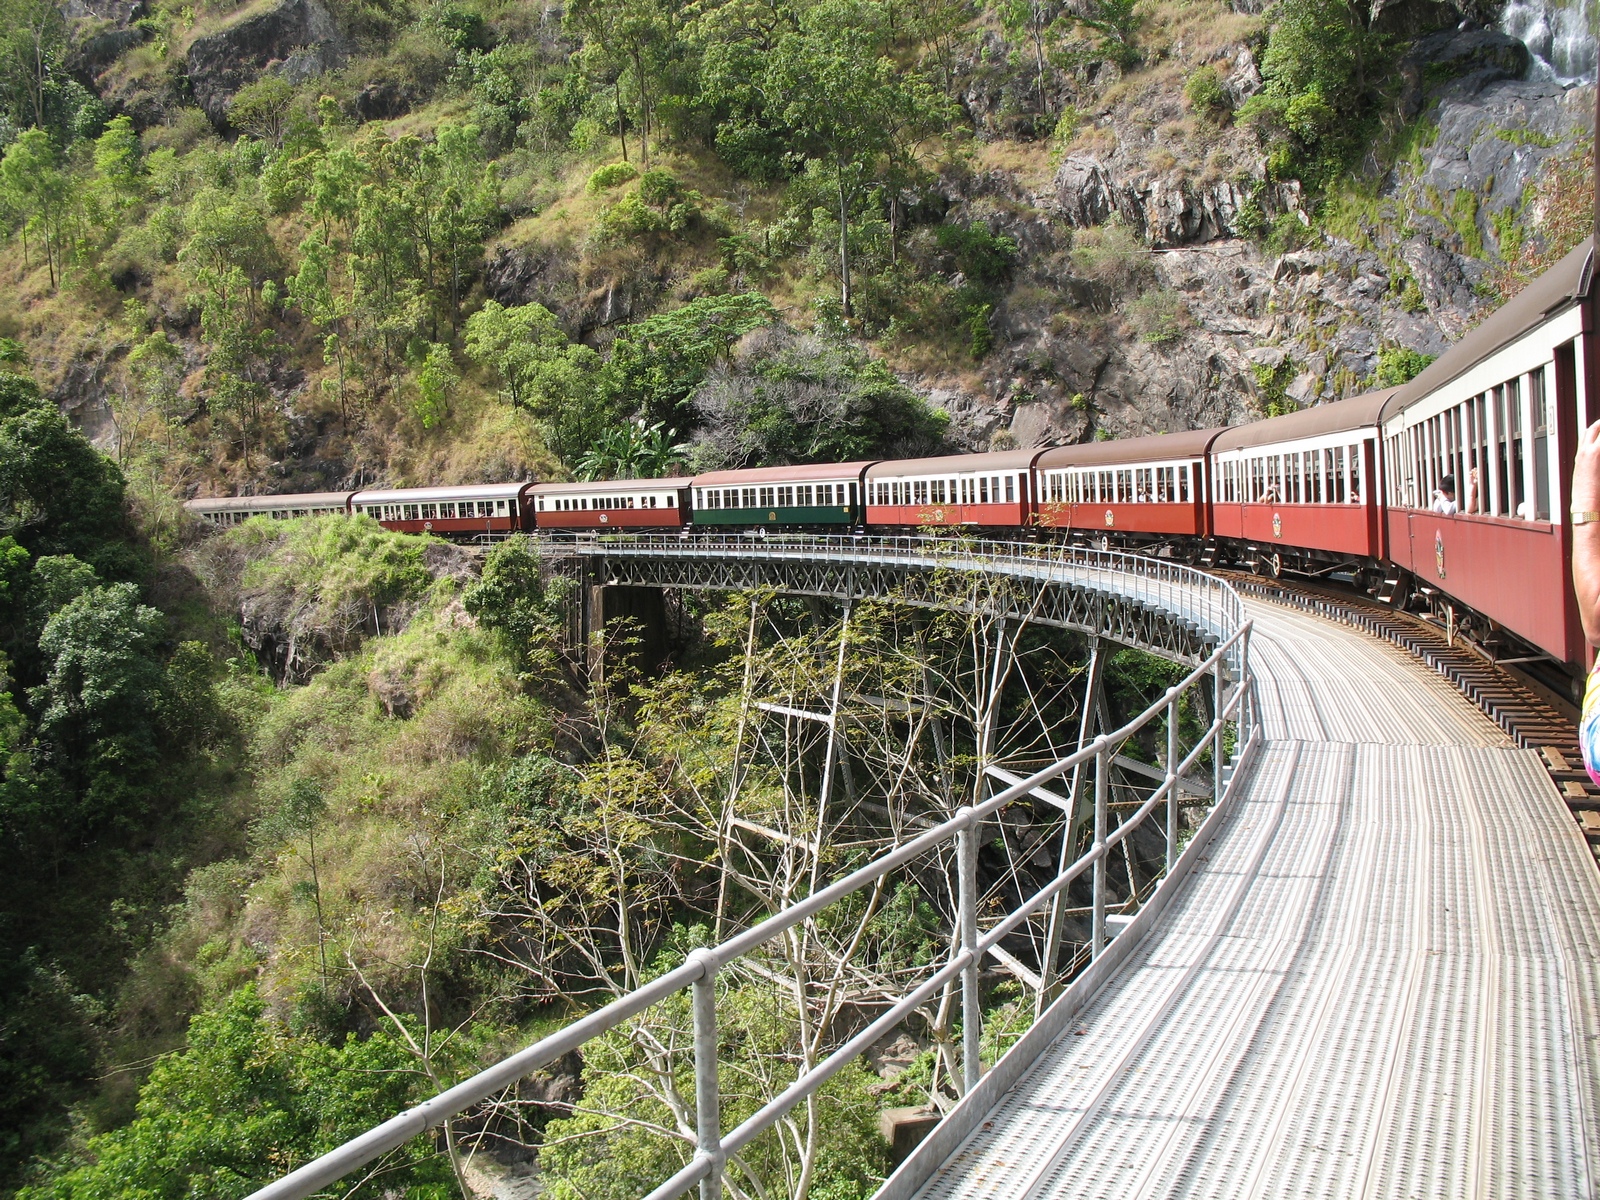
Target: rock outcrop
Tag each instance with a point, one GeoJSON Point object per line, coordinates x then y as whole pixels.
{"type": "Point", "coordinates": [298, 38]}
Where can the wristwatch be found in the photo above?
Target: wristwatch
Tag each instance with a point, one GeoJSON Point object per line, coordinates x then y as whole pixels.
{"type": "Point", "coordinates": [1584, 518]}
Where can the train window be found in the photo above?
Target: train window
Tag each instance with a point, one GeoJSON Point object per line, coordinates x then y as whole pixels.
{"type": "Point", "coordinates": [786, 497]}
{"type": "Point", "coordinates": [766, 497]}
{"type": "Point", "coordinates": [1540, 407]}
{"type": "Point", "coordinates": [1183, 483]}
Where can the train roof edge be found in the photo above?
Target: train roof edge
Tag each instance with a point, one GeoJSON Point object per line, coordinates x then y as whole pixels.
{"type": "Point", "coordinates": [1358, 412]}
{"type": "Point", "coordinates": [1565, 283]}
{"type": "Point", "coordinates": [1155, 447]}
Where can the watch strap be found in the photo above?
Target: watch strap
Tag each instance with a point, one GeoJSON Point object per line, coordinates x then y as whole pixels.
{"type": "Point", "coordinates": [1584, 518]}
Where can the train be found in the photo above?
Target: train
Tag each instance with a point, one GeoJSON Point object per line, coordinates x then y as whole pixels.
{"type": "Point", "coordinates": [1448, 493]}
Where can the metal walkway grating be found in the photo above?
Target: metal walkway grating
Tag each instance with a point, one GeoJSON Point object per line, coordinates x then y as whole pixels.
{"type": "Point", "coordinates": [1384, 980]}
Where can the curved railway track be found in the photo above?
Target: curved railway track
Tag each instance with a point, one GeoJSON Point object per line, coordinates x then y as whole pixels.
{"type": "Point", "coordinates": [1531, 715]}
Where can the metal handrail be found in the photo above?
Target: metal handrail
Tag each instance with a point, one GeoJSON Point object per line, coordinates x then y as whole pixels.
{"type": "Point", "coordinates": [700, 969]}
{"type": "Point", "coordinates": [1175, 586]}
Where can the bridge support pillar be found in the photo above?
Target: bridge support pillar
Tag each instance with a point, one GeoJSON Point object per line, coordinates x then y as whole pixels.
{"type": "Point", "coordinates": [636, 614]}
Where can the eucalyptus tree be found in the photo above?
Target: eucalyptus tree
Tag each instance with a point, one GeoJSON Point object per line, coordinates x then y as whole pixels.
{"type": "Point", "coordinates": [849, 105]}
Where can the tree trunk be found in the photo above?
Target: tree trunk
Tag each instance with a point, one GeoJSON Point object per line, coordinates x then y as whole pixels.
{"type": "Point", "coordinates": [844, 248]}
{"type": "Point", "coordinates": [622, 131]}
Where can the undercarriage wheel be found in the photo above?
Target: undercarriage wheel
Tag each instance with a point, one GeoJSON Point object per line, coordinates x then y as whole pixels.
{"type": "Point", "coordinates": [1275, 565]}
{"type": "Point", "coordinates": [1105, 542]}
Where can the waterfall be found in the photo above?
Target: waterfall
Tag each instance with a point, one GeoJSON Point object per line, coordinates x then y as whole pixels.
{"type": "Point", "coordinates": [1557, 34]}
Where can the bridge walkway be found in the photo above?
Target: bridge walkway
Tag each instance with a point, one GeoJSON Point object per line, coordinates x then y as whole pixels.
{"type": "Point", "coordinates": [1382, 980]}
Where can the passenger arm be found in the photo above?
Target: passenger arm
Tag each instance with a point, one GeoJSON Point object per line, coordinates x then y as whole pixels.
{"type": "Point", "coordinates": [1586, 538]}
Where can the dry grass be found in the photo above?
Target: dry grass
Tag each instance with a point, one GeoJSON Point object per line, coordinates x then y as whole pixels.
{"type": "Point", "coordinates": [1032, 163]}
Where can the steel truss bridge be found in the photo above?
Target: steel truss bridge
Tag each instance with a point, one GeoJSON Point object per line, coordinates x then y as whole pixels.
{"type": "Point", "coordinates": [1372, 968]}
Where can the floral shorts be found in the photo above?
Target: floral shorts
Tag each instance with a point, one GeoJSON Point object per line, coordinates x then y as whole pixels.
{"type": "Point", "coordinates": [1589, 726]}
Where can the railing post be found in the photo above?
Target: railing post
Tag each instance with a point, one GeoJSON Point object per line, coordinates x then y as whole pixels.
{"type": "Point", "coordinates": [971, 1011]}
{"type": "Point", "coordinates": [1172, 778]}
{"type": "Point", "coordinates": [1216, 733]}
{"type": "Point", "coordinates": [707, 1103]}
{"type": "Point", "coordinates": [1097, 925]}
{"type": "Point", "coordinates": [1247, 702]}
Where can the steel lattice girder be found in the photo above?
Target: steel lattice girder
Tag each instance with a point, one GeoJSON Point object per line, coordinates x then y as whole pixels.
{"type": "Point", "coordinates": [1102, 612]}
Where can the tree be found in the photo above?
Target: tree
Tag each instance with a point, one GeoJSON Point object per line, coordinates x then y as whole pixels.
{"type": "Point", "coordinates": [34, 185]}
{"type": "Point", "coordinates": [33, 39]}
{"type": "Point", "coordinates": [657, 363]}
{"type": "Point", "coordinates": [436, 376]}
{"type": "Point", "coordinates": [514, 596]}
{"type": "Point", "coordinates": [633, 40]}
{"type": "Point", "coordinates": [245, 1102]}
{"type": "Point", "coordinates": [539, 370]}
{"type": "Point", "coordinates": [845, 101]}
{"type": "Point", "coordinates": [261, 109]}
{"type": "Point", "coordinates": [633, 451]}
{"type": "Point", "coordinates": [98, 704]}
{"type": "Point", "coordinates": [117, 160]}
{"type": "Point", "coordinates": [1033, 20]}
{"type": "Point", "coordinates": [58, 495]}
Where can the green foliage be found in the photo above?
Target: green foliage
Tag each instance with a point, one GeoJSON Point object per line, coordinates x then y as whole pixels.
{"type": "Point", "coordinates": [1272, 384]}
{"type": "Point", "coordinates": [99, 702]}
{"type": "Point", "coordinates": [1526, 137]}
{"type": "Point", "coordinates": [35, 188]}
{"type": "Point", "coordinates": [541, 371]}
{"type": "Point", "coordinates": [983, 256]}
{"type": "Point", "coordinates": [660, 206]}
{"type": "Point", "coordinates": [58, 495]}
{"type": "Point", "coordinates": [1321, 70]}
{"type": "Point", "coordinates": [261, 109]}
{"type": "Point", "coordinates": [633, 450]}
{"type": "Point", "coordinates": [1250, 221]}
{"type": "Point", "coordinates": [1159, 316]}
{"type": "Point", "coordinates": [1398, 365]}
{"type": "Point", "coordinates": [796, 399]}
{"type": "Point", "coordinates": [612, 1150]}
{"type": "Point", "coordinates": [611, 175]}
{"type": "Point", "coordinates": [514, 597]}
{"type": "Point", "coordinates": [37, 87]}
{"type": "Point", "coordinates": [244, 1103]}
{"type": "Point", "coordinates": [327, 571]}
{"type": "Point", "coordinates": [657, 363]}
{"type": "Point", "coordinates": [852, 110]}
{"type": "Point", "coordinates": [436, 376]}
{"type": "Point", "coordinates": [1206, 97]}
{"type": "Point", "coordinates": [1288, 232]}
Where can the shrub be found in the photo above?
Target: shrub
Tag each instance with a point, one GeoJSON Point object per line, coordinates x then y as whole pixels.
{"type": "Point", "coordinates": [1159, 316]}
{"type": "Point", "coordinates": [1250, 221]}
{"type": "Point", "coordinates": [1398, 365]}
{"type": "Point", "coordinates": [1112, 255]}
{"type": "Point", "coordinates": [1206, 97]}
{"type": "Point", "coordinates": [611, 175]}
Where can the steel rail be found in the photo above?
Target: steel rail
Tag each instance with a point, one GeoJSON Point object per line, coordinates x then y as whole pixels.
{"type": "Point", "coordinates": [700, 969]}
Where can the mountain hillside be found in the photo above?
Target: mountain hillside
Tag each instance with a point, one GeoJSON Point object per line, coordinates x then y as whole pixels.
{"type": "Point", "coordinates": [305, 819]}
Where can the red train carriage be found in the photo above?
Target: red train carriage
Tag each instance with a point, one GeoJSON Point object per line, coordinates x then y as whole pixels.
{"type": "Point", "coordinates": [1140, 490]}
{"type": "Point", "coordinates": [625, 504]}
{"type": "Point", "coordinates": [232, 510]}
{"type": "Point", "coordinates": [990, 490]}
{"type": "Point", "coordinates": [1499, 414]}
{"type": "Point", "coordinates": [1301, 490]}
{"type": "Point", "coordinates": [464, 511]}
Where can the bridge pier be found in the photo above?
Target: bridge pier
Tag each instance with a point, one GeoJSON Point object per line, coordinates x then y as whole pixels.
{"type": "Point", "coordinates": [645, 631]}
